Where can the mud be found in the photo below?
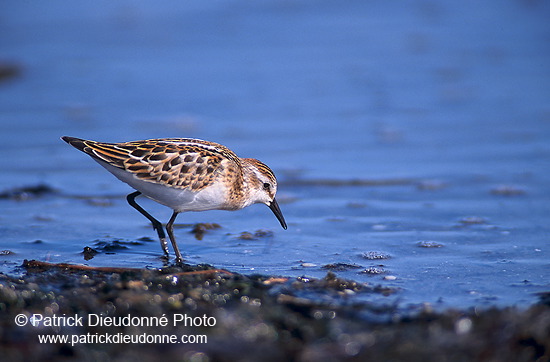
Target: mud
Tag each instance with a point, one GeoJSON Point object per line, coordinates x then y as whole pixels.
{"type": "Point", "coordinates": [256, 318]}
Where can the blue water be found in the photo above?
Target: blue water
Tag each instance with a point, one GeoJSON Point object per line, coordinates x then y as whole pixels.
{"type": "Point", "coordinates": [440, 108]}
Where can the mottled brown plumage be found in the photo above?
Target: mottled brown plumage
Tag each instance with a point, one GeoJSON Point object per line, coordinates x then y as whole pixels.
{"type": "Point", "coordinates": [174, 162]}
{"type": "Point", "coordinates": [186, 175]}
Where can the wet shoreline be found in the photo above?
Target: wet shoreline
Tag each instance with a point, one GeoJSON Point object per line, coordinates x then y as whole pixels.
{"type": "Point", "coordinates": [410, 144]}
{"type": "Point", "coordinates": [251, 317]}
{"type": "Point", "coordinates": [397, 249]}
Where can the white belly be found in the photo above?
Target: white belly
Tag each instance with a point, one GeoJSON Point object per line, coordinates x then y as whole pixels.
{"type": "Point", "coordinates": [180, 200]}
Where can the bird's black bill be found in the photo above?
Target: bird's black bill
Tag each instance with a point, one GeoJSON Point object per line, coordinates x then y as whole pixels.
{"type": "Point", "coordinates": [275, 208]}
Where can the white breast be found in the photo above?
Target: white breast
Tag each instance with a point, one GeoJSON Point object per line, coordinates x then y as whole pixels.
{"type": "Point", "coordinates": [210, 198]}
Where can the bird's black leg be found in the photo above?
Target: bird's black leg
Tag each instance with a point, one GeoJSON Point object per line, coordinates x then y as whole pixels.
{"type": "Point", "coordinates": [170, 229]}
{"type": "Point", "coordinates": [156, 224]}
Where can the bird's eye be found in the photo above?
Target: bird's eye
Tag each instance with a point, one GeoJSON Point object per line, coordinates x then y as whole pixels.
{"type": "Point", "coordinates": [267, 186]}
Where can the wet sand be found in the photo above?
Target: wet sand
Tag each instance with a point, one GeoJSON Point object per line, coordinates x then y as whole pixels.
{"type": "Point", "coordinates": [411, 144]}
{"type": "Point", "coordinates": [248, 318]}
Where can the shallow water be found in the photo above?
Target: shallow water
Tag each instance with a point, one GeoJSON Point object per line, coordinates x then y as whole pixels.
{"type": "Point", "coordinates": [390, 129]}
